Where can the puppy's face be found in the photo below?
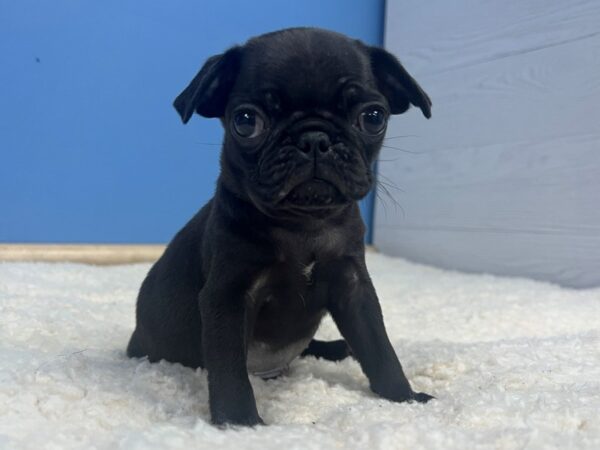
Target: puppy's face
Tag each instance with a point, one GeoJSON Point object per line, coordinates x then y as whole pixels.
{"type": "Point", "coordinates": [305, 112]}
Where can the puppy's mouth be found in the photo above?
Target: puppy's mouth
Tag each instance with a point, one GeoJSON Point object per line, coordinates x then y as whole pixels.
{"type": "Point", "coordinates": [314, 193]}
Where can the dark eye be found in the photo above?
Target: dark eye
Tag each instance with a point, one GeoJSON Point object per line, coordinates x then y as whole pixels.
{"type": "Point", "coordinates": [248, 123]}
{"type": "Point", "coordinates": [372, 120]}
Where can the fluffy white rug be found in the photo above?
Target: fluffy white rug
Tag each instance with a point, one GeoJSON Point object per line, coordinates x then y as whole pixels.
{"type": "Point", "coordinates": [513, 364]}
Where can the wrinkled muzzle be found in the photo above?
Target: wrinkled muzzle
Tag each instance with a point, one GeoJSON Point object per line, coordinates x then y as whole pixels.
{"type": "Point", "coordinates": [309, 170]}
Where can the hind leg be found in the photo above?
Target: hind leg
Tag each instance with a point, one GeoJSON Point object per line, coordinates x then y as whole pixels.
{"type": "Point", "coordinates": [328, 350]}
{"type": "Point", "coordinates": [135, 348]}
{"type": "Point", "coordinates": [176, 340]}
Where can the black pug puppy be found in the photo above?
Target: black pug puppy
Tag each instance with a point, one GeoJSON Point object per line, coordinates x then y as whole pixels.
{"type": "Point", "coordinates": [243, 286]}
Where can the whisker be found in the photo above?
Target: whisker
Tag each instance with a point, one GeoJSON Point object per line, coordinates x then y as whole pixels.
{"type": "Point", "coordinates": [389, 182]}
{"type": "Point", "coordinates": [388, 160]}
{"type": "Point", "coordinates": [382, 202]}
{"type": "Point", "coordinates": [402, 136]}
{"type": "Point", "coordinates": [402, 150]}
{"type": "Point", "coordinates": [388, 195]}
{"type": "Point", "coordinates": [394, 201]}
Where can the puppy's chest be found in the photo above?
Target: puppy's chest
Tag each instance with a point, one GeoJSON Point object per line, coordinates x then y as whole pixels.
{"type": "Point", "coordinates": [290, 293]}
{"type": "Point", "coordinates": [285, 300]}
{"type": "Point", "coordinates": [285, 306]}
{"type": "Point", "coordinates": [285, 286]}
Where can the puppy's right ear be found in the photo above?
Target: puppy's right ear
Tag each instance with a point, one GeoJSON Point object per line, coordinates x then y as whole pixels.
{"type": "Point", "coordinates": [208, 92]}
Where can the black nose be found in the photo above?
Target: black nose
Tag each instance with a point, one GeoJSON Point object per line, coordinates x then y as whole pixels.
{"type": "Point", "coordinates": [314, 141]}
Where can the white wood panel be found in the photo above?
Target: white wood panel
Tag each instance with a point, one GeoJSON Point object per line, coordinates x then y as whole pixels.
{"type": "Point", "coordinates": [505, 177]}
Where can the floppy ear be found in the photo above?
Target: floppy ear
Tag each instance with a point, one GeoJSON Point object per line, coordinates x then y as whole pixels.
{"type": "Point", "coordinates": [400, 89]}
{"type": "Point", "coordinates": [208, 92]}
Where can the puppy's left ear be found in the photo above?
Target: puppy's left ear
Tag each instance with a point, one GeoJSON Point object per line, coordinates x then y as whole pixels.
{"type": "Point", "coordinates": [208, 92]}
{"type": "Point", "coordinates": [400, 89]}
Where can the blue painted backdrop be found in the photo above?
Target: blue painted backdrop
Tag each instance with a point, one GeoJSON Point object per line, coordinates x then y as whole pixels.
{"type": "Point", "coordinates": [90, 148]}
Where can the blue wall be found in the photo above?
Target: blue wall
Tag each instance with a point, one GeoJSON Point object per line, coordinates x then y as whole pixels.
{"type": "Point", "coordinates": [91, 149]}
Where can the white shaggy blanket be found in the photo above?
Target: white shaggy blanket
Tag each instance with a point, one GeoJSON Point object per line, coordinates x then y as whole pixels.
{"type": "Point", "coordinates": [513, 364]}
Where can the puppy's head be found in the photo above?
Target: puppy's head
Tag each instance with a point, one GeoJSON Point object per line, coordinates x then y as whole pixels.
{"type": "Point", "coordinates": [305, 112]}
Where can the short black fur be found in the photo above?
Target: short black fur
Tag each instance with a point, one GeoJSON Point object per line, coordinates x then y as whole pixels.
{"type": "Point", "coordinates": [243, 286]}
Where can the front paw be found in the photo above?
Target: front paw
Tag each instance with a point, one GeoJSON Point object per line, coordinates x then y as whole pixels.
{"type": "Point", "coordinates": [246, 420]}
{"type": "Point", "coordinates": [235, 412]}
{"type": "Point", "coordinates": [401, 394]}
{"type": "Point", "coordinates": [421, 397]}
